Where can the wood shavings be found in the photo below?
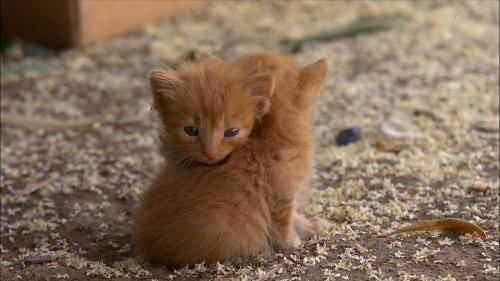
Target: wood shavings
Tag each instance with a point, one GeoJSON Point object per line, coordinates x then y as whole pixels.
{"type": "Point", "coordinates": [439, 80]}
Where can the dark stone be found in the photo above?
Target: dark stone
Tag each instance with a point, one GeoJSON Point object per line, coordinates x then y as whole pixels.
{"type": "Point", "coordinates": [347, 136]}
{"type": "Point", "coordinates": [37, 259]}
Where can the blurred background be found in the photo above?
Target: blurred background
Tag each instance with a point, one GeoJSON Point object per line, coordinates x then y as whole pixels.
{"type": "Point", "coordinates": [407, 126]}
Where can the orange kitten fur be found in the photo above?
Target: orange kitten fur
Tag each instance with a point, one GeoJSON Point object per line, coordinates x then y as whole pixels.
{"type": "Point", "coordinates": [221, 195]}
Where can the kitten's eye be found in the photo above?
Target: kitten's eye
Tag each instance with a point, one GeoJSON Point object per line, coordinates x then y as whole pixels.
{"type": "Point", "coordinates": [231, 132]}
{"type": "Point", "coordinates": [190, 130]}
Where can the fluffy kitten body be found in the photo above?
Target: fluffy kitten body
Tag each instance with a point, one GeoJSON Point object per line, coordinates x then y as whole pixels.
{"type": "Point", "coordinates": [241, 200]}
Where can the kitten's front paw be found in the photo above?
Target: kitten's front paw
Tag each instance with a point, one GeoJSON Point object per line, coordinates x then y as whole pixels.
{"type": "Point", "coordinates": [321, 225]}
{"type": "Point", "coordinates": [291, 242]}
{"type": "Point", "coordinates": [307, 228]}
{"type": "Point", "coordinates": [295, 240]}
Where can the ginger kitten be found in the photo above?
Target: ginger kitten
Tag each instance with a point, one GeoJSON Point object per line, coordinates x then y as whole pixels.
{"type": "Point", "coordinates": [238, 149]}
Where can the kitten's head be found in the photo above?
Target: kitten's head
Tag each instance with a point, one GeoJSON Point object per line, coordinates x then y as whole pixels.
{"type": "Point", "coordinates": [208, 108]}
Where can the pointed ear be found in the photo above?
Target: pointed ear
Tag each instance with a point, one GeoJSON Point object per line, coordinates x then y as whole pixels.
{"type": "Point", "coordinates": [163, 83]}
{"type": "Point", "coordinates": [208, 57]}
{"type": "Point", "coordinates": [311, 80]}
{"type": "Point", "coordinates": [261, 87]}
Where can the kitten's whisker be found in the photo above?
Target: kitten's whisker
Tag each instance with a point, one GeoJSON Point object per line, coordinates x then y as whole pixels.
{"type": "Point", "coordinates": [178, 156]}
{"type": "Point", "coordinates": [179, 151]}
{"type": "Point", "coordinates": [183, 161]}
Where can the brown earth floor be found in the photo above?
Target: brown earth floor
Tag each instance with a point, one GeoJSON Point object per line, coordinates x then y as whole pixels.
{"type": "Point", "coordinates": [67, 195]}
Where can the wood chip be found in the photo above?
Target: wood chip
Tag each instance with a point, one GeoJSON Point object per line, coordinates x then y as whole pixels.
{"type": "Point", "coordinates": [449, 224]}
{"type": "Point", "coordinates": [479, 187]}
{"type": "Point", "coordinates": [393, 147]}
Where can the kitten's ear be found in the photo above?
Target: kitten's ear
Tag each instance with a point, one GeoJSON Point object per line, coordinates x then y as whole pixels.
{"type": "Point", "coordinates": [311, 80]}
{"type": "Point", "coordinates": [208, 57]}
{"type": "Point", "coordinates": [163, 83]}
{"type": "Point", "coordinates": [261, 88]}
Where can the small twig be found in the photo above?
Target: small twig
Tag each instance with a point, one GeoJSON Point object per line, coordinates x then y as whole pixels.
{"type": "Point", "coordinates": [484, 129]}
{"type": "Point", "coordinates": [37, 185]}
{"type": "Point", "coordinates": [34, 123]}
{"type": "Point", "coordinates": [362, 25]}
{"type": "Point", "coordinates": [427, 113]}
{"type": "Point", "coordinates": [14, 69]}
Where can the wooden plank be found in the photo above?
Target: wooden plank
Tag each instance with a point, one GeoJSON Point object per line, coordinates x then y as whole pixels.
{"type": "Point", "coordinates": [63, 23]}
{"type": "Point", "coordinates": [51, 21]}
{"type": "Point", "coordinates": [101, 19]}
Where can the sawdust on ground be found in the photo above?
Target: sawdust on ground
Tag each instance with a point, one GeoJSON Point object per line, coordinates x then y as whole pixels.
{"type": "Point", "coordinates": [67, 196]}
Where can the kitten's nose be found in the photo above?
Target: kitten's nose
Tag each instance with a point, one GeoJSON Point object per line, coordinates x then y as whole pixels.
{"type": "Point", "coordinates": [210, 154]}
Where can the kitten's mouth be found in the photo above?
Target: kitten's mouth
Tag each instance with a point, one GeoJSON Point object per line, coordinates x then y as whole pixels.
{"type": "Point", "coordinates": [214, 161]}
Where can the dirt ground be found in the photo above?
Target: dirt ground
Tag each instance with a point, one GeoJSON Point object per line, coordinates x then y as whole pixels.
{"type": "Point", "coordinates": [67, 196]}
